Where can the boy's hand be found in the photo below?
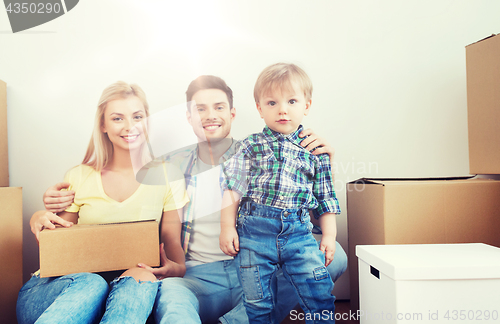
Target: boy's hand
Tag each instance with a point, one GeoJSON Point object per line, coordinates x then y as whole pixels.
{"type": "Point", "coordinates": [57, 200]}
{"type": "Point", "coordinates": [327, 246]}
{"type": "Point", "coordinates": [229, 241]}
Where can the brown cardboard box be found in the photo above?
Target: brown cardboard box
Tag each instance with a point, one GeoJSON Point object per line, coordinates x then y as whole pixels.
{"type": "Point", "coordinates": [11, 251]}
{"type": "Point", "coordinates": [483, 104]}
{"type": "Point", "coordinates": [412, 211]}
{"type": "Point", "coordinates": [96, 248]}
{"type": "Point", "coordinates": [4, 154]}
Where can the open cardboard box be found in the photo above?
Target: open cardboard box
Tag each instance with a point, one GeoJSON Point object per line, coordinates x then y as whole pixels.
{"type": "Point", "coordinates": [483, 105]}
{"type": "Point", "coordinates": [420, 211]}
{"type": "Point", "coordinates": [98, 248]}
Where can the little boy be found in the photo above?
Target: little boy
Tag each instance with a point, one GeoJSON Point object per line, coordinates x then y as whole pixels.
{"type": "Point", "coordinates": [279, 182]}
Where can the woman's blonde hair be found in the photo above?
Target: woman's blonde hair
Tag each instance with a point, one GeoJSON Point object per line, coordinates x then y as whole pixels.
{"type": "Point", "coordinates": [100, 149]}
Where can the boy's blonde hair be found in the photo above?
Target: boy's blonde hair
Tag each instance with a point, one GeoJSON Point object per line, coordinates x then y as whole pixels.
{"type": "Point", "coordinates": [100, 149]}
{"type": "Point", "coordinates": [280, 77]}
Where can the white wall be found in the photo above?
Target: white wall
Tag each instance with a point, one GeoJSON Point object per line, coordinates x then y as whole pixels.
{"type": "Point", "coordinates": [389, 79]}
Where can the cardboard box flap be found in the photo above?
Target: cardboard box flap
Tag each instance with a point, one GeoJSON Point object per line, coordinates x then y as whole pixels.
{"type": "Point", "coordinates": [433, 261]}
{"type": "Point", "coordinates": [115, 223]}
{"type": "Point", "coordinates": [487, 37]}
{"type": "Point", "coordinates": [385, 181]}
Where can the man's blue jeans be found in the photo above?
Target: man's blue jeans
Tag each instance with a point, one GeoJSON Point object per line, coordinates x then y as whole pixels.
{"type": "Point", "coordinates": [205, 293]}
{"type": "Point", "coordinates": [271, 238]}
{"type": "Point", "coordinates": [212, 292]}
{"type": "Point", "coordinates": [83, 298]}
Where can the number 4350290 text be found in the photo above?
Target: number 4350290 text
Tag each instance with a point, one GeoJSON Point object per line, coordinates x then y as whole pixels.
{"type": "Point", "coordinates": [32, 7]}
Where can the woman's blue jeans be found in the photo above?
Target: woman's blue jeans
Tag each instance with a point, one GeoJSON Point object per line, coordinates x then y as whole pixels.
{"type": "Point", "coordinates": [74, 298]}
{"type": "Point", "coordinates": [129, 301]}
{"type": "Point", "coordinates": [83, 298]}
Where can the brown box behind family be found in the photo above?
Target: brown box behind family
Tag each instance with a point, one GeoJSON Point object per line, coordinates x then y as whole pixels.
{"type": "Point", "coordinates": [97, 248]}
{"type": "Point", "coordinates": [4, 154]}
{"type": "Point", "coordinates": [11, 251]}
{"type": "Point", "coordinates": [420, 211]}
{"type": "Point", "coordinates": [483, 105]}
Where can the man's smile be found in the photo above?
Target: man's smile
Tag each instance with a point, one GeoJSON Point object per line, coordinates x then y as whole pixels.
{"type": "Point", "coordinates": [211, 127]}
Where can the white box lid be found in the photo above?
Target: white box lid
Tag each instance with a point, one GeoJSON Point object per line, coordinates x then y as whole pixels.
{"type": "Point", "coordinates": [433, 261]}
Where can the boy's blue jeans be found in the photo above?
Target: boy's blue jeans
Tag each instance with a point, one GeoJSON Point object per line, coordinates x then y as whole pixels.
{"type": "Point", "coordinates": [211, 292]}
{"type": "Point", "coordinates": [270, 239]}
{"type": "Point", "coordinates": [82, 298]}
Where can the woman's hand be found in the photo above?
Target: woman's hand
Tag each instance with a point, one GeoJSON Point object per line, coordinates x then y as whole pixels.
{"type": "Point", "coordinates": [44, 219]}
{"type": "Point", "coordinates": [313, 141]}
{"type": "Point", "coordinates": [57, 200]}
{"type": "Point", "coordinates": [168, 268]}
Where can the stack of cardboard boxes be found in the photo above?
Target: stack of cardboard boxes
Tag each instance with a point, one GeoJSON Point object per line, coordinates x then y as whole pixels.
{"type": "Point", "coordinates": [446, 210]}
{"type": "Point", "coordinates": [11, 226]}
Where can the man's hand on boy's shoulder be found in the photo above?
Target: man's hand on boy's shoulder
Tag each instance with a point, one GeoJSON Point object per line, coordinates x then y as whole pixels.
{"type": "Point", "coordinates": [56, 199]}
{"type": "Point", "coordinates": [315, 144]}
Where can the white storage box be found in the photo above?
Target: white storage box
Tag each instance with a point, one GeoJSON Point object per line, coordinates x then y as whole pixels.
{"type": "Point", "coordinates": [429, 283]}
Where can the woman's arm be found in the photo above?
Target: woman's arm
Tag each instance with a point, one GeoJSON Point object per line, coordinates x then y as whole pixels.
{"type": "Point", "coordinates": [171, 237]}
{"type": "Point", "coordinates": [43, 219]}
{"type": "Point", "coordinates": [171, 252]}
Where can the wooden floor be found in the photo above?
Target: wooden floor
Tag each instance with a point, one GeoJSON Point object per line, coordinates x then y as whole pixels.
{"type": "Point", "coordinates": [342, 314]}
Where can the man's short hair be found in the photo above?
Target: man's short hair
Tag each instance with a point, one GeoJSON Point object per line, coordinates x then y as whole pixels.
{"type": "Point", "coordinates": [209, 82]}
{"type": "Point", "coordinates": [279, 77]}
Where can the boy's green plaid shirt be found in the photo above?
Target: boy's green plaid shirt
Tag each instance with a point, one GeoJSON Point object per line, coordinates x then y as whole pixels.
{"type": "Point", "coordinates": [274, 170]}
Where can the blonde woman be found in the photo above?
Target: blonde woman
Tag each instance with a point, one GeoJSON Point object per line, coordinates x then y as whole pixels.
{"type": "Point", "coordinates": [106, 191]}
